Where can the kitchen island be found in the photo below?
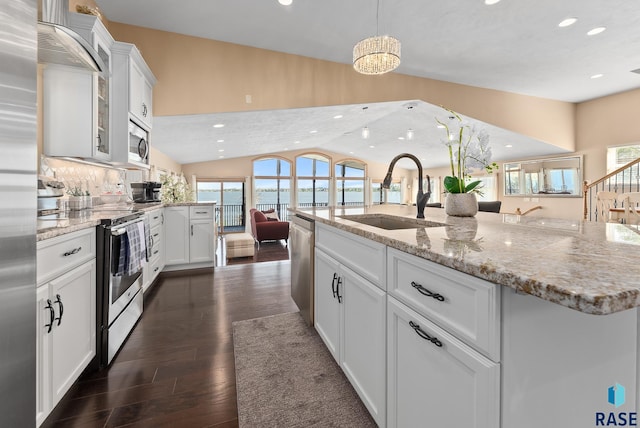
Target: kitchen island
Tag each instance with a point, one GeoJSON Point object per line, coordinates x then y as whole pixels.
{"type": "Point", "coordinates": [496, 320]}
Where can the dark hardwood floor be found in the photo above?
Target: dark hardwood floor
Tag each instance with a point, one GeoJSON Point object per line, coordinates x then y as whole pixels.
{"type": "Point", "coordinates": [177, 367]}
{"type": "Point", "coordinates": [265, 252]}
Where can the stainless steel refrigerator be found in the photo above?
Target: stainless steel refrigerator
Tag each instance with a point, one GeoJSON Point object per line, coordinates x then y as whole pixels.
{"type": "Point", "coordinates": [18, 205]}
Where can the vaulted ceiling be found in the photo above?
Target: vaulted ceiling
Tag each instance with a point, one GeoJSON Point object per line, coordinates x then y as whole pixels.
{"type": "Point", "coordinates": [513, 45]}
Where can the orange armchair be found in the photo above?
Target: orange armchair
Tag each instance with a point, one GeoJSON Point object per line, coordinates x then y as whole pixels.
{"type": "Point", "coordinates": [264, 229]}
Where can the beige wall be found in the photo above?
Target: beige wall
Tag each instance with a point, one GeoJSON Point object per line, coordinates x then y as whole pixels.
{"type": "Point", "coordinates": [203, 76]}
{"type": "Point", "coordinates": [161, 161]}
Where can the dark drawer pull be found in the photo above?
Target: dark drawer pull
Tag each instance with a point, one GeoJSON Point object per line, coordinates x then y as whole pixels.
{"type": "Point", "coordinates": [52, 315]}
{"type": "Point", "coordinates": [424, 335]}
{"type": "Point", "coordinates": [72, 252]}
{"type": "Point", "coordinates": [424, 291]}
{"type": "Point", "coordinates": [333, 285]}
{"type": "Point", "coordinates": [338, 289]}
{"type": "Point", "coordinates": [61, 308]}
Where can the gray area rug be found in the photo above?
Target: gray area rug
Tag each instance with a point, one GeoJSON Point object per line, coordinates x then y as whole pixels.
{"type": "Point", "coordinates": [285, 377]}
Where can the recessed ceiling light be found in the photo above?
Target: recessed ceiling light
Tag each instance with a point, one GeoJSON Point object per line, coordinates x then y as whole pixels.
{"type": "Point", "coordinates": [220, 157]}
{"type": "Point", "coordinates": [409, 134]}
{"type": "Point", "coordinates": [219, 125]}
{"type": "Point", "coordinates": [285, 2]}
{"type": "Point", "coordinates": [365, 132]}
{"type": "Point", "coordinates": [350, 153]}
{"type": "Point", "coordinates": [221, 150]}
{"type": "Point", "coordinates": [314, 131]}
{"type": "Point", "coordinates": [597, 76]}
{"type": "Point", "coordinates": [567, 22]}
{"type": "Point", "coordinates": [220, 141]}
{"type": "Point", "coordinates": [508, 146]}
{"type": "Point", "coordinates": [490, 2]}
{"type": "Point", "coordinates": [337, 116]}
{"type": "Point", "coordinates": [595, 31]}
{"type": "Point", "coordinates": [285, 149]}
{"type": "Point", "coordinates": [372, 147]}
{"type": "Point", "coordinates": [400, 138]}
{"type": "Point", "coordinates": [296, 142]}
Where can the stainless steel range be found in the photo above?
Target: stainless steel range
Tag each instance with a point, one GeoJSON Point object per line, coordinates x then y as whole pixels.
{"type": "Point", "coordinates": [121, 243]}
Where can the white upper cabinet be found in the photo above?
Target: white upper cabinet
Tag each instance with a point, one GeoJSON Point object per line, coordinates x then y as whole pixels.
{"type": "Point", "coordinates": [133, 84]}
{"type": "Point", "coordinates": [140, 95]}
{"type": "Point", "coordinates": [91, 28]}
{"type": "Point", "coordinates": [76, 103]}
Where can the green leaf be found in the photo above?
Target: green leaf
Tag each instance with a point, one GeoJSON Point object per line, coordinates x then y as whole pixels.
{"type": "Point", "coordinates": [452, 185]}
{"type": "Point", "coordinates": [471, 186]}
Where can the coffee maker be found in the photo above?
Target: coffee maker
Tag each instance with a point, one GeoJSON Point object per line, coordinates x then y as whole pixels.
{"type": "Point", "coordinates": [147, 191]}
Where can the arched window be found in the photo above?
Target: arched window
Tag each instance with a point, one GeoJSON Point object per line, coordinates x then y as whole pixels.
{"type": "Point", "coordinates": [272, 184]}
{"type": "Point", "coordinates": [350, 188]}
{"type": "Point", "coordinates": [312, 174]}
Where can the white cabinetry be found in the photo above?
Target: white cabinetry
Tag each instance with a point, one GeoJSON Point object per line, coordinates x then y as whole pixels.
{"type": "Point", "coordinates": [133, 84]}
{"type": "Point", "coordinates": [350, 317]}
{"type": "Point", "coordinates": [443, 346]}
{"type": "Point", "coordinates": [76, 103]}
{"type": "Point", "coordinates": [70, 114]}
{"type": "Point", "coordinates": [91, 28]}
{"type": "Point", "coordinates": [434, 379]}
{"type": "Point", "coordinates": [190, 236]}
{"type": "Point", "coordinates": [140, 94]}
{"type": "Point", "coordinates": [177, 235]}
{"type": "Point", "coordinates": [150, 272]}
{"type": "Point", "coordinates": [66, 341]}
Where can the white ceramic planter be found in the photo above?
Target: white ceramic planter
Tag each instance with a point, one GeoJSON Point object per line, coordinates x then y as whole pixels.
{"type": "Point", "coordinates": [461, 204]}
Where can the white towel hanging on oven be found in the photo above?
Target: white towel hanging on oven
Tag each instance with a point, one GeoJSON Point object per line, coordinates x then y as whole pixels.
{"type": "Point", "coordinates": [135, 249]}
{"type": "Point", "coordinates": [143, 242]}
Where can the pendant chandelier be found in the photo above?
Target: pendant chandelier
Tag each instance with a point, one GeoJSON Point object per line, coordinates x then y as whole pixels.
{"type": "Point", "coordinates": [376, 55]}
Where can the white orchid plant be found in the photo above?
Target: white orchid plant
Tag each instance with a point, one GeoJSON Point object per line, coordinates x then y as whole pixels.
{"type": "Point", "coordinates": [468, 150]}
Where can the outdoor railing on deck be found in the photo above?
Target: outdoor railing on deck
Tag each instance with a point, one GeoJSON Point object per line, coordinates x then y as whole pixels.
{"type": "Point", "coordinates": [622, 180]}
{"type": "Point", "coordinates": [231, 216]}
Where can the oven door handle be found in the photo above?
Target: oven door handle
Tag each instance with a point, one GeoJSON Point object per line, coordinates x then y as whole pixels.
{"type": "Point", "coordinates": [118, 232]}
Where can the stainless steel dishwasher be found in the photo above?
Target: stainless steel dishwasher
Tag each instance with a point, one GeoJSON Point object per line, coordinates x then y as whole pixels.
{"type": "Point", "coordinates": [302, 244]}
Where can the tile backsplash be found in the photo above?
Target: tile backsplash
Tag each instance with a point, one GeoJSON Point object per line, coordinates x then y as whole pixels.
{"type": "Point", "coordinates": [92, 178]}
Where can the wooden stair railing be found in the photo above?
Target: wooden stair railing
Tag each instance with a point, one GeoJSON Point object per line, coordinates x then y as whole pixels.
{"type": "Point", "coordinates": [618, 186]}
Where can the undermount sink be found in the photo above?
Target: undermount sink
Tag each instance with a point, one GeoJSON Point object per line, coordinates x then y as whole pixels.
{"type": "Point", "coordinates": [389, 222]}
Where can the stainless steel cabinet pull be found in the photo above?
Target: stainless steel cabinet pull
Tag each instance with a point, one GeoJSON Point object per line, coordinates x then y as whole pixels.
{"type": "Point", "coordinates": [425, 292]}
{"type": "Point", "coordinates": [424, 335]}
{"type": "Point", "coordinates": [338, 289]}
{"type": "Point", "coordinates": [59, 302]}
{"type": "Point", "coordinates": [72, 252]}
{"type": "Point", "coordinates": [202, 212]}
{"type": "Point", "coordinates": [333, 285]}
{"type": "Point", "coordinates": [52, 315]}
{"type": "Point", "coordinates": [156, 252]}
{"type": "Point", "coordinates": [191, 230]}
{"type": "Point", "coordinates": [162, 215]}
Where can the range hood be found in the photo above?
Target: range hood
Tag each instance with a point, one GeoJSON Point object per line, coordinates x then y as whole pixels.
{"type": "Point", "coordinates": [58, 44]}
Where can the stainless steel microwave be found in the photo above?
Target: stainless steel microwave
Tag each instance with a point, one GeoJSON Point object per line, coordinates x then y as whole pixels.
{"type": "Point", "coordinates": [138, 144]}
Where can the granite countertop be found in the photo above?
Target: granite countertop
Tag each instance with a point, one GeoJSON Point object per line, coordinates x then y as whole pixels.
{"type": "Point", "coordinates": [71, 221]}
{"type": "Point", "coordinates": [590, 267]}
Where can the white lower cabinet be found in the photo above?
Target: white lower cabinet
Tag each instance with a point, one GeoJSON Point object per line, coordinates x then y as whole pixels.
{"type": "Point", "coordinates": [435, 380]}
{"type": "Point", "coordinates": [350, 318]}
{"type": "Point", "coordinates": [155, 264]}
{"type": "Point", "coordinates": [190, 236]}
{"type": "Point", "coordinates": [66, 335]}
